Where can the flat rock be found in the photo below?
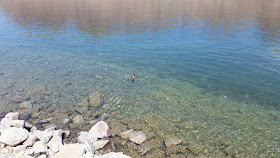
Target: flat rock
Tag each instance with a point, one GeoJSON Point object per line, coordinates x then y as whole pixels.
{"type": "Point", "coordinates": [168, 141]}
{"type": "Point", "coordinates": [137, 137]}
{"type": "Point", "coordinates": [126, 134]}
{"type": "Point", "coordinates": [76, 151]}
{"type": "Point", "coordinates": [100, 144]}
{"type": "Point", "coordinates": [96, 99]}
{"type": "Point", "coordinates": [12, 123]}
{"type": "Point", "coordinates": [112, 155]}
{"type": "Point", "coordinates": [175, 149]}
{"type": "Point", "coordinates": [100, 130]}
{"type": "Point", "coordinates": [13, 136]}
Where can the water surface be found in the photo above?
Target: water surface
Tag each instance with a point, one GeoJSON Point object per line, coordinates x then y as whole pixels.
{"type": "Point", "coordinates": [207, 71]}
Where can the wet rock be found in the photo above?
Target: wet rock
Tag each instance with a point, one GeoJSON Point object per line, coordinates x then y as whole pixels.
{"type": "Point", "coordinates": [100, 144]}
{"type": "Point", "coordinates": [117, 128]}
{"type": "Point", "coordinates": [126, 134]}
{"type": "Point", "coordinates": [96, 99]}
{"type": "Point", "coordinates": [175, 149]}
{"type": "Point", "coordinates": [30, 140]}
{"type": "Point", "coordinates": [157, 153]}
{"type": "Point", "coordinates": [78, 119]}
{"type": "Point", "coordinates": [113, 155]}
{"type": "Point", "coordinates": [100, 130]}
{"type": "Point", "coordinates": [106, 106]}
{"type": "Point", "coordinates": [103, 117]}
{"type": "Point", "coordinates": [13, 136]}
{"type": "Point", "coordinates": [148, 146]}
{"type": "Point", "coordinates": [178, 156]}
{"type": "Point", "coordinates": [39, 147]}
{"type": "Point", "coordinates": [168, 141]}
{"type": "Point", "coordinates": [12, 116]}
{"type": "Point", "coordinates": [86, 137]}
{"type": "Point", "coordinates": [135, 104]}
{"type": "Point", "coordinates": [19, 98]}
{"type": "Point", "coordinates": [25, 105]}
{"type": "Point", "coordinates": [137, 137]}
{"type": "Point", "coordinates": [50, 126]}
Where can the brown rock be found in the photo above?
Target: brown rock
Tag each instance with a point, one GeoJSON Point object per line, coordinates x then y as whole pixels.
{"type": "Point", "coordinates": [96, 99]}
{"type": "Point", "coordinates": [19, 98]}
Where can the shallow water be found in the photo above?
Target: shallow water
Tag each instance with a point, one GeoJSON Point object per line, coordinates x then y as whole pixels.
{"type": "Point", "coordinates": [207, 72]}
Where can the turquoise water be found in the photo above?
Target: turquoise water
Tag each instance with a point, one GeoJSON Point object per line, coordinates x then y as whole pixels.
{"type": "Point", "coordinates": [208, 75]}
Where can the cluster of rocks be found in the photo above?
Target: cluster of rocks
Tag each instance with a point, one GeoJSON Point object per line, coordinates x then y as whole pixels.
{"type": "Point", "coordinates": [21, 139]}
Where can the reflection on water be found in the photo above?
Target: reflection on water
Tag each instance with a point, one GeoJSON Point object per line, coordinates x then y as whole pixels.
{"type": "Point", "coordinates": [207, 71]}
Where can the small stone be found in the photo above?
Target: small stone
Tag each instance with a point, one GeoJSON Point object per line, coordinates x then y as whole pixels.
{"type": "Point", "coordinates": [137, 137]}
{"type": "Point", "coordinates": [100, 144]}
{"type": "Point", "coordinates": [65, 121]}
{"type": "Point", "coordinates": [96, 99]}
{"type": "Point", "coordinates": [126, 134]}
{"type": "Point", "coordinates": [13, 136]}
{"type": "Point", "coordinates": [50, 126]}
{"type": "Point", "coordinates": [78, 119]}
{"type": "Point", "coordinates": [103, 117]}
{"type": "Point", "coordinates": [100, 130]}
{"type": "Point", "coordinates": [25, 105]}
{"type": "Point", "coordinates": [168, 141]}
{"type": "Point", "coordinates": [106, 106]}
{"type": "Point", "coordinates": [39, 147]}
{"type": "Point", "coordinates": [28, 125]}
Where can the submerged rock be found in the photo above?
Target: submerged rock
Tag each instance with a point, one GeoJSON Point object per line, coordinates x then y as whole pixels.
{"type": "Point", "coordinates": [78, 119]}
{"type": "Point", "coordinates": [13, 136]}
{"type": "Point", "coordinates": [126, 134]}
{"type": "Point", "coordinates": [168, 141]}
{"type": "Point", "coordinates": [25, 105]}
{"type": "Point", "coordinates": [19, 98]}
{"type": "Point", "coordinates": [100, 130]}
{"type": "Point", "coordinates": [137, 137]}
{"type": "Point", "coordinates": [96, 99]}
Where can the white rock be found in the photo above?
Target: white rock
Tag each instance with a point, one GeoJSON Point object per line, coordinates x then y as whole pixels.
{"type": "Point", "coordinates": [113, 155]}
{"type": "Point", "coordinates": [100, 144]}
{"type": "Point", "coordinates": [12, 123]}
{"type": "Point", "coordinates": [100, 130]}
{"type": "Point", "coordinates": [13, 136]}
{"type": "Point", "coordinates": [44, 136]}
{"type": "Point", "coordinates": [33, 129]}
{"type": "Point", "coordinates": [12, 116]}
{"type": "Point", "coordinates": [28, 125]}
{"type": "Point", "coordinates": [70, 151]}
{"type": "Point", "coordinates": [56, 141]}
{"type": "Point", "coordinates": [19, 149]}
{"type": "Point", "coordinates": [67, 133]}
{"type": "Point", "coordinates": [39, 147]}
{"type": "Point", "coordinates": [3, 151]}
{"type": "Point", "coordinates": [5, 156]}
{"type": "Point", "coordinates": [86, 137]}
{"type": "Point", "coordinates": [30, 140]}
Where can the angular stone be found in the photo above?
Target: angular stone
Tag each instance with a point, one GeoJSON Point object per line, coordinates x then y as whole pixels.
{"type": "Point", "coordinates": [86, 137]}
{"type": "Point", "coordinates": [168, 141]}
{"type": "Point", "coordinates": [96, 99]}
{"type": "Point", "coordinates": [13, 136]}
{"type": "Point", "coordinates": [103, 117]}
{"type": "Point", "coordinates": [39, 147]}
{"type": "Point", "coordinates": [100, 130]}
{"type": "Point", "coordinates": [113, 155]}
{"type": "Point", "coordinates": [30, 140]}
{"type": "Point", "coordinates": [126, 134]}
{"type": "Point", "coordinates": [137, 137]}
{"type": "Point", "coordinates": [44, 136]}
{"type": "Point", "coordinates": [12, 116]}
{"type": "Point", "coordinates": [100, 144]}
{"type": "Point", "coordinates": [55, 144]}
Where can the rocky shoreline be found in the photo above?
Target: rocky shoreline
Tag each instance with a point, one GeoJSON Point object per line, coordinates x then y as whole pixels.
{"type": "Point", "coordinates": [20, 139]}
